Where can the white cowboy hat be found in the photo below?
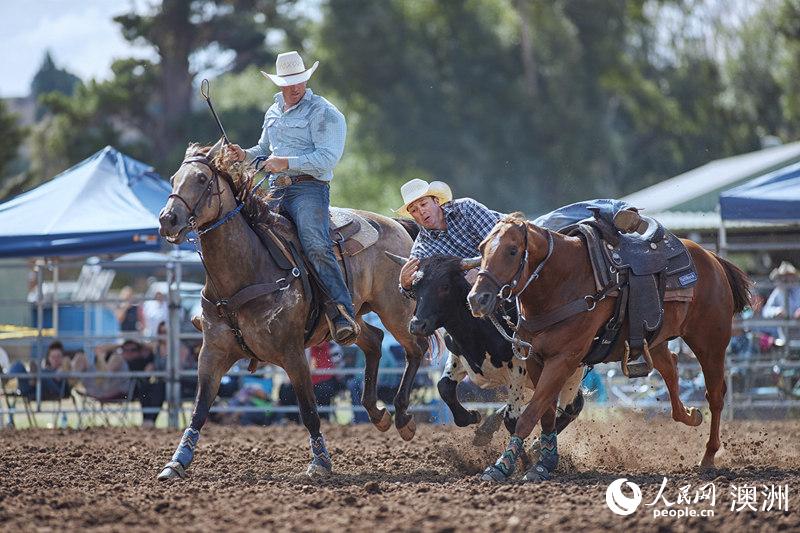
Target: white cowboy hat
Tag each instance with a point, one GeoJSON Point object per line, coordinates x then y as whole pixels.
{"type": "Point", "coordinates": [290, 70]}
{"type": "Point", "coordinates": [785, 269]}
{"type": "Point", "coordinates": [413, 190]}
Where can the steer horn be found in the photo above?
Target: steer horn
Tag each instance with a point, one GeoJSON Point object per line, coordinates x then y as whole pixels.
{"type": "Point", "coordinates": [470, 263]}
{"type": "Point", "coordinates": [396, 258]}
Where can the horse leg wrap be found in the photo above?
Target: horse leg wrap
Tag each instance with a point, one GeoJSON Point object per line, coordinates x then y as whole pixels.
{"type": "Point", "coordinates": [502, 469]}
{"type": "Point", "coordinates": [548, 459]}
{"type": "Point", "coordinates": [320, 457]}
{"type": "Point", "coordinates": [183, 455]}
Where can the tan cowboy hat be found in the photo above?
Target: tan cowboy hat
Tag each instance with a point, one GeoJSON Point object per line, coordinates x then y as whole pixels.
{"type": "Point", "coordinates": [413, 190]}
{"type": "Point", "coordinates": [785, 269]}
{"type": "Point", "coordinates": [290, 70]}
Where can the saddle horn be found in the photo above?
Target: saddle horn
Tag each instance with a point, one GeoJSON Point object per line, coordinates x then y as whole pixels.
{"type": "Point", "coordinates": [471, 262]}
{"type": "Point", "coordinates": [396, 258]}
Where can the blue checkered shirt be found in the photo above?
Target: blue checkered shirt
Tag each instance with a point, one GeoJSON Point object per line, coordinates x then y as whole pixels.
{"type": "Point", "coordinates": [468, 223]}
{"type": "Point", "coordinates": [310, 134]}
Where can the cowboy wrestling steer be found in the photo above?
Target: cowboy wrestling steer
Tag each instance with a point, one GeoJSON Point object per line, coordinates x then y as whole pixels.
{"type": "Point", "coordinates": [478, 349]}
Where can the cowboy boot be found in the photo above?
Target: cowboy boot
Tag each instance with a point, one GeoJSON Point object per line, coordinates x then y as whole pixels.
{"type": "Point", "coordinates": [344, 329]}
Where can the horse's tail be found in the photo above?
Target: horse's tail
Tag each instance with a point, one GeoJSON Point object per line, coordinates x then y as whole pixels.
{"type": "Point", "coordinates": [410, 226]}
{"type": "Point", "coordinates": [436, 346]}
{"type": "Point", "coordinates": [740, 283]}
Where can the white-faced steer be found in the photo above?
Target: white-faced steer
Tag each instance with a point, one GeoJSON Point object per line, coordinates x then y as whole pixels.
{"type": "Point", "coordinates": [478, 349]}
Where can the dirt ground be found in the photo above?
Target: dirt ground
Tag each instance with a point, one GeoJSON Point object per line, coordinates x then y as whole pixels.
{"type": "Point", "coordinates": [253, 479]}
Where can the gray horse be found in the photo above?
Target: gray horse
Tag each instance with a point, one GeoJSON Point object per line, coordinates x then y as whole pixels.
{"type": "Point", "coordinates": [205, 197]}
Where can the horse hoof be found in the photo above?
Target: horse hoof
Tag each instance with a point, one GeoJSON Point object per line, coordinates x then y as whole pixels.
{"type": "Point", "coordinates": [408, 431]}
{"type": "Point", "coordinates": [493, 474]}
{"type": "Point", "coordinates": [317, 471]}
{"type": "Point", "coordinates": [537, 474]}
{"type": "Point", "coordinates": [695, 417]}
{"type": "Point", "coordinates": [706, 464]}
{"type": "Point", "coordinates": [171, 472]}
{"type": "Point", "coordinates": [385, 422]}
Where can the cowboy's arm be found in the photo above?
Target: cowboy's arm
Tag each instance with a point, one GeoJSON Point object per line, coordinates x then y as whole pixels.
{"type": "Point", "coordinates": [328, 132]}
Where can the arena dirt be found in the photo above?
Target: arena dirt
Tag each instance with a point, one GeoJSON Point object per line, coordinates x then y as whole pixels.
{"type": "Point", "coordinates": [253, 479]}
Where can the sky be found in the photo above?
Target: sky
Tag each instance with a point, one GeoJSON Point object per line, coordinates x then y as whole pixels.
{"type": "Point", "coordinates": [80, 34]}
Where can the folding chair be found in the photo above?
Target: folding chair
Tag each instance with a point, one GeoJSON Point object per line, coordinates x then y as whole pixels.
{"type": "Point", "coordinates": [11, 397]}
{"type": "Point", "coordinates": [97, 407]}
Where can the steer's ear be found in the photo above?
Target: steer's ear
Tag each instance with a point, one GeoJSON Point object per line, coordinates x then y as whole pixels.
{"type": "Point", "coordinates": [470, 263]}
{"type": "Point", "coordinates": [396, 258]}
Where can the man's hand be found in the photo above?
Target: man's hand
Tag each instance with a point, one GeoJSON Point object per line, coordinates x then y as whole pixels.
{"type": "Point", "coordinates": [232, 153]}
{"type": "Point", "coordinates": [407, 273]}
{"type": "Point", "coordinates": [276, 164]}
{"type": "Point", "coordinates": [797, 313]}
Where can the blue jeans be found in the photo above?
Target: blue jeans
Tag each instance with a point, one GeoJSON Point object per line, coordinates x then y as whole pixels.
{"type": "Point", "coordinates": [570, 214]}
{"type": "Point", "coordinates": [307, 204]}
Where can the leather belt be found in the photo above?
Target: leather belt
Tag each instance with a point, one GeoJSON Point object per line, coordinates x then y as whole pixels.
{"type": "Point", "coordinates": [285, 181]}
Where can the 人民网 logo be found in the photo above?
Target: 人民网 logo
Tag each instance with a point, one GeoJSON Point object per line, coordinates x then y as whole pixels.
{"type": "Point", "coordinates": [618, 502]}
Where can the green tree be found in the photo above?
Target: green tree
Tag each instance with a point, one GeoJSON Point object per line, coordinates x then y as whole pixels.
{"type": "Point", "coordinates": [50, 78]}
{"type": "Point", "coordinates": [180, 29]}
{"type": "Point", "coordinates": [12, 135]}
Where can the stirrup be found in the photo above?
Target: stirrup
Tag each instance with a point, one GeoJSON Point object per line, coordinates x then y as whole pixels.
{"type": "Point", "coordinates": [350, 337]}
{"type": "Point", "coordinates": [637, 369]}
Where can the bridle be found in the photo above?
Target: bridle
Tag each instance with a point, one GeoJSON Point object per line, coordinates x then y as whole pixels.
{"type": "Point", "coordinates": [511, 286]}
{"type": "Point", "coordinates": [213, 183]}
{"type": "Point", "coordinates": [522, 350]}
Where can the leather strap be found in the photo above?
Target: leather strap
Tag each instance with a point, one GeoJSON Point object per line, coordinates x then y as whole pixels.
{"type": "Point", "coordinates": [559, 314]}
{"type": "Point", "coordinates": [251, 292]}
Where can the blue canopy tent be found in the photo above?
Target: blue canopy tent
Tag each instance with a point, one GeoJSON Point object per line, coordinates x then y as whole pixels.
{"type": "Point", "coordinates": [108, 203]}
{"type": "Point", "coordinates": [773, 197]}
{"type": "Point", "coordinates": [768, 201]}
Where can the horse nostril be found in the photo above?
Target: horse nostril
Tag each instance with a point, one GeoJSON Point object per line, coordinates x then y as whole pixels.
{"type": "Point", "coordinates": [168, 218]}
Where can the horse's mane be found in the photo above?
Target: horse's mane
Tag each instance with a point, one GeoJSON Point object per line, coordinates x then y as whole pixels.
{"type": "Point", "coordinates": [241, 178]}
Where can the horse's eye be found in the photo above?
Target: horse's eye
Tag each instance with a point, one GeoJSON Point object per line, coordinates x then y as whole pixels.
{"type": "Point", "coordinates": [202, 178]}
{"type": "Point", "coordinates": [513, 250]}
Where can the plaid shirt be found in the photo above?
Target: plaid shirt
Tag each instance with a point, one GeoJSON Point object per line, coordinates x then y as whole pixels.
{"type": "Point", "coordinates": [468, 223]}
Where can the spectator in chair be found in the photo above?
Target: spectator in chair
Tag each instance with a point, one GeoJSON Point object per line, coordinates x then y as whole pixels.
{"type": "Point", "coordinates": [53, 387]}
{"type": "Point", "coordinates": [784, 301]}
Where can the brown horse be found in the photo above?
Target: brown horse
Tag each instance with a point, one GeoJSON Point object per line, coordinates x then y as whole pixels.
{"type": "Point", "coordinates": [704, 323]}
{"type": "Point", "coordinates": [205, 197]}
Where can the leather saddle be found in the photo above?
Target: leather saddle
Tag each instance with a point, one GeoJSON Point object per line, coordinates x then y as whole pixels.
{"type": "Point", "coordinates": [350, 234]}
{"type": "Point", "coordinates": [646, 267]}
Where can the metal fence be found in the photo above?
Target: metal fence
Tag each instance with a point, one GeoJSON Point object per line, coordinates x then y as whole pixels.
{"type": "Point", "coordinates": [623, 392]}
